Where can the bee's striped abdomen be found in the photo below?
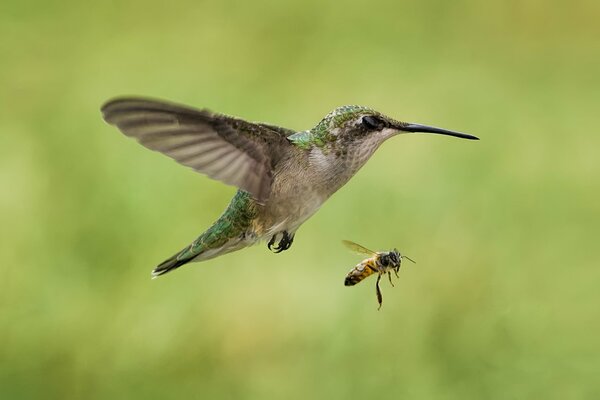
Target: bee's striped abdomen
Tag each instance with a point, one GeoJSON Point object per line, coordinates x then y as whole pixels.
{"type": "Point", "coordinates": [360, 272]}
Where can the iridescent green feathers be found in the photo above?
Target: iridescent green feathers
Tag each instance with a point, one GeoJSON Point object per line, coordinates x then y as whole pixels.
{"type": "Point", "coordinates": [223, 236]}
{"type": "Point", "coordinates": [325, 130]}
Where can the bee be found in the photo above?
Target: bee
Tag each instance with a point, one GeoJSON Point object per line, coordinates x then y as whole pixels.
{"type": "Point", "coordinates": [379, 262]}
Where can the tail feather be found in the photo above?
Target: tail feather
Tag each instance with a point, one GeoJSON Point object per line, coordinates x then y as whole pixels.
{"type": "Point", "coordinates": [169, 264]}
{"type": "Point", "coordinates": [197, 252]}
{"type": "Point", "coordinates": [227, 234]}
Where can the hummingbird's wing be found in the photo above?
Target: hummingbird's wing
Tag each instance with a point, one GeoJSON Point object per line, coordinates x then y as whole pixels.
{"type": "Point", "coordinates": [280, 130]}
{"type": "Point", "coordinates": [232, 150]}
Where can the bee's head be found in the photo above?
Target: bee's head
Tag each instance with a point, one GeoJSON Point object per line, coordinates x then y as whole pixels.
{"type": "Point", "coordinates": [394, 258]}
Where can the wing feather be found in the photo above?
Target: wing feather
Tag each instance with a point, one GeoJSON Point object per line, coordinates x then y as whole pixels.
{"type": "Point", "coordinates": [232, 150]}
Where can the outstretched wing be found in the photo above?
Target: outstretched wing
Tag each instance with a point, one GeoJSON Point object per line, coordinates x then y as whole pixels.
{"type": "Point", "coordinates": [232, 150]}
{"type": "Point", "coordinates": [358, 248]}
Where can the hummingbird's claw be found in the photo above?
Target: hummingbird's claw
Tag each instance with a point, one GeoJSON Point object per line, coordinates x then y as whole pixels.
{"type": "Point", "coordinates": [271, 242]}
{"type": "Point", "coordinates": [284, 244]}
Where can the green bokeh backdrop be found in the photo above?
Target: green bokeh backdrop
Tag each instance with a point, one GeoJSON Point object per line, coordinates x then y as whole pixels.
{"type": "Point", "coordinates": [503, 303]}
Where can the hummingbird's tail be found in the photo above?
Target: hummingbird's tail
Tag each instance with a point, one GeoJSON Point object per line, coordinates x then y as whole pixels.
{"type": "Point", "coordinates": [168, 265]}
{"type": "Point", "coordinates": [207, 246]}
{"type": "Point", "coordinates": [227, 234]}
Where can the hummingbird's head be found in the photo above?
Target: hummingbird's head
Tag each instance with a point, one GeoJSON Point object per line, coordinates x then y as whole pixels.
{"type": "Point", "coordinates": [362, 125]}
{"type": "Point", "coordinates": [352, 134]}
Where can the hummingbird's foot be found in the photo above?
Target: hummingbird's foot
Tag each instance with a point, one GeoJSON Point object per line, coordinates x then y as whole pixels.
{"type": "Point", "coordinates": [271, 242]}
{"type": "Point", "coordinates": [284, 244]}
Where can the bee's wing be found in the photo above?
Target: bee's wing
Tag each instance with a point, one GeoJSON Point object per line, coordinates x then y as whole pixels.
{"type": "Point", "coordinates": [358, 248]}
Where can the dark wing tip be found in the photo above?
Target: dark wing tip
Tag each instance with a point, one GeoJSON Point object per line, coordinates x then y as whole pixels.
{"type": "Point", "coordinates": [115, 101]}
{"type": "Point", "coordinates": [107, 104]}
{"type": "Point", "coordinates": [112, 107]}
{"type": "Point", "coordinates": [124, 104]}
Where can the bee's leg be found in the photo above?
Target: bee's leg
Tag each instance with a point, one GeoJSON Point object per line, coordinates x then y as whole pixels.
{"type": "Point", "coordinates": [396, 272]}
{"type": "Point", "coordinates": [379, 296]}
{"type": "Point", "coordinates": [390, 278]}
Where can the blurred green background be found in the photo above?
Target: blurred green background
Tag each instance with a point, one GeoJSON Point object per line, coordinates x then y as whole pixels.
{"type": "Point", "coordinates": [503, 303]}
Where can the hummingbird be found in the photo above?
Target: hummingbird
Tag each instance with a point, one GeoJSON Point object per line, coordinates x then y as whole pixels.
{"type": "Point", "coordinates": [283, 176]}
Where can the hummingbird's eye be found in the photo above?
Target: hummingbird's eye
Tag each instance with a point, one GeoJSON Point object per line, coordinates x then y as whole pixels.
{"type": "Point", "coordinates": [372, 123]}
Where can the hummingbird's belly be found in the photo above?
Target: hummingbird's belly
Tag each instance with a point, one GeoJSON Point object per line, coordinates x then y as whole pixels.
{"type": "Point", "coordinates": [287, 209]}
{"type": "Point", "coordinates": [288, 213]}
{"type": "Point", "coordinates": [297, 192]}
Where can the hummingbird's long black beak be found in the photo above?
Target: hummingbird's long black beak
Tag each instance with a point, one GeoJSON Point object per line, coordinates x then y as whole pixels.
{"type": "Point", "coordinates": [433, 129]}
